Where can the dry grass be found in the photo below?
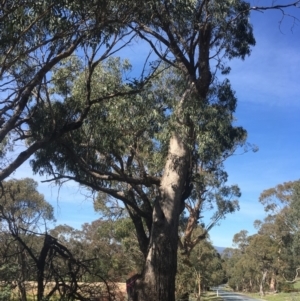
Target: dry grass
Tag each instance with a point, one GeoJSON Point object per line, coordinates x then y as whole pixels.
{"type": "Point", "coordinates": [278, 297]}
{"type": "Point", "coordinates": [95, 289]}
{"type": "Point", "coordinates": [210, 296]}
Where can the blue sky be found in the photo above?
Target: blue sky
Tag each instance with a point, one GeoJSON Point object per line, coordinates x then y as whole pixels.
{"type": "Point", "coordinates": [267, 85]}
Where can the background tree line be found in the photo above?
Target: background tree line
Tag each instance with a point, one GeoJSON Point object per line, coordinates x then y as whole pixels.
{"type": "Point", "coordinates": [60, 261]}
{"type": "Point", "coordinates": [67, 260]}
{"type": "Point", "coordinates": [269, 259]}
{"type": "Point", "coordinates": [63, 262]}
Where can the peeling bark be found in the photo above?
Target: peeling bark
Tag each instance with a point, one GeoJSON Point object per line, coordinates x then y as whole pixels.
{"type": "Point", "coordinates": [262, 282]}
{"type": "Point", "coordinates": [158, 278]}
{"type": "Point", "coordinates": [273, 283]}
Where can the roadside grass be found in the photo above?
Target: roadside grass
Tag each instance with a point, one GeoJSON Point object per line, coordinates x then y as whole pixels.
{"type": "Point", "coordinates": [297, 284]}
{"type": "Point", "coordinates": [95, 290]}
{"type": "Point", "coordinates": [210, 296]}
{"type": "Point", "coordinates": [283, 297]}
{"type": "Point", "coordinates": [292, 296]}
{"type": "Point", "coordinates": [277, 297]}
{"type": "Point", "coordinates": [207, 296]}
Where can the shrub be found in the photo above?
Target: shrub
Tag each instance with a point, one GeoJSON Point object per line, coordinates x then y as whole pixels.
{"type": "Point", "coordinates": [286, 287]}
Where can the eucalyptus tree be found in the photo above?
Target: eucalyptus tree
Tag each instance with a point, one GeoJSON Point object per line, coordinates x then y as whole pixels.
{"type": "Point", "coordinates": [282, 224]}
{"type": "Point", "coordinates": [110, 246]}
{"type": "Point", "coordinates": [251, 266]}
{"type": "Point", "coordinates": [293, 220]}
{"type": "Point", "coordinates": [264, 251]}
{"type": "Point", "coordinates": [195, 37]}
{"type": "Point", "coordinates": [205, 269]}
{"type": "Point", "coordinates": [127, 150]}
{"type": "Point", "coordinates": [121, 148]}
{"type": "Point", "coordinates": [242, 270]}
{"type": "Point", "coordinates": [234, 270]}
{"type": "Point", "coordinates": [154, 150]}
{"type": "Point", "coordinates": [269, 258]}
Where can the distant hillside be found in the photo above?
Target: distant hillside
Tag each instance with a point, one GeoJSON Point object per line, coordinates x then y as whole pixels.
{"type": "Point", "coordinates": [220, 249]}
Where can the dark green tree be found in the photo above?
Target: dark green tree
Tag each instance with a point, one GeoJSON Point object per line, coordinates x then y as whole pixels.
{"type": "Point", "coordinates": [234, 272]}
{"type": "Point", "coordinates": [250, 267]}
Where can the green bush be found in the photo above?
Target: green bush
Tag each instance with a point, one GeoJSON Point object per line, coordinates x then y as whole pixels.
{"type": "Point", "coordinates": [5, 293]}
{"type": "Point", "coordinates": [286, 287]}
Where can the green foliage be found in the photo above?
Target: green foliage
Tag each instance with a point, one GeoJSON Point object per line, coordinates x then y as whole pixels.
{"type": "Point", "coordinates": [5, 292]}
{"type": "Point", "coordinates": [110, 246]}
{"type": "Point", "coordinates": [21, 205]}
{"type": "Point", "coordinates": [110, 126]}
{"type": "Point", "coordinates": [282, 223]}
{"type": "Point", "coordinates": [274, 249]}
{"type": "Point", "coordinates": [286, 287]}
{"type": "Point", "coordinates": [274, 199]}
{"type": "Point", "coordinates": [8, 272]}
{"type": "Point", "coordinates": [23, 212]}
{"type": "Point", "coordinates": [33, 24]}
{"type": "Point", "coordinates": [121, 148]}
{"type": "Point", "coordinates": [127, 125]}
{"type": "Point", "coordinates": [234, 33]}
{"type": "Point", "coordinates": [36, 40]}
{"type": "Point", "coordinates": [203, 269]}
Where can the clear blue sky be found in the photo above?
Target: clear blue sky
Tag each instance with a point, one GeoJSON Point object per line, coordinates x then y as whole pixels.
{"type": "Point", "coordinates": [267, 85]}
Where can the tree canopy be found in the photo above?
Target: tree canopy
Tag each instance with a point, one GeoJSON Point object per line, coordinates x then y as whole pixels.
{"type": "Point", "coordinates": [35, 37]}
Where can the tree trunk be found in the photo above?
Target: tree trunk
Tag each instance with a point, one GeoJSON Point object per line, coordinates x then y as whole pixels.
{"type": "Point", "coordinates": [41, 263]}
{"type": "Point", "coordinates": [262, 282]}
{"type": "Point", "coordinates": [157, 282]}
{"type": "Point", "coordinates": [158, 278]}
{"type": "Point", "coordinates": [22, 290]}
{"type": "Point", "coordinates": [250, 285]}
{"type": "Point", "coordinates": [199, 286]}
{"type": "Point", "coordinates": [21, 281]}
{"type": "Point", "coordinates": [273, 283]}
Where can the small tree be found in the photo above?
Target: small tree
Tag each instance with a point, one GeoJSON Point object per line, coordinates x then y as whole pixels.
{"type": "Point", "coordinates": [27, 254]}
{"type": "Point", "coordinates": [23, 212]}
{"type": "Point", "coordinates": [203, 270]}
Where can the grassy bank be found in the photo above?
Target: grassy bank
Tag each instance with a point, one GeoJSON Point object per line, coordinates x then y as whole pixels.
{"type": "Point", "coordinates": [210, 296]}
{"type": "Point", "coordinates": [207, 296]}
{"type": "Point", "coordinates": [292, 296]}
{"type": "Point", "coordinates": [278, 297]}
